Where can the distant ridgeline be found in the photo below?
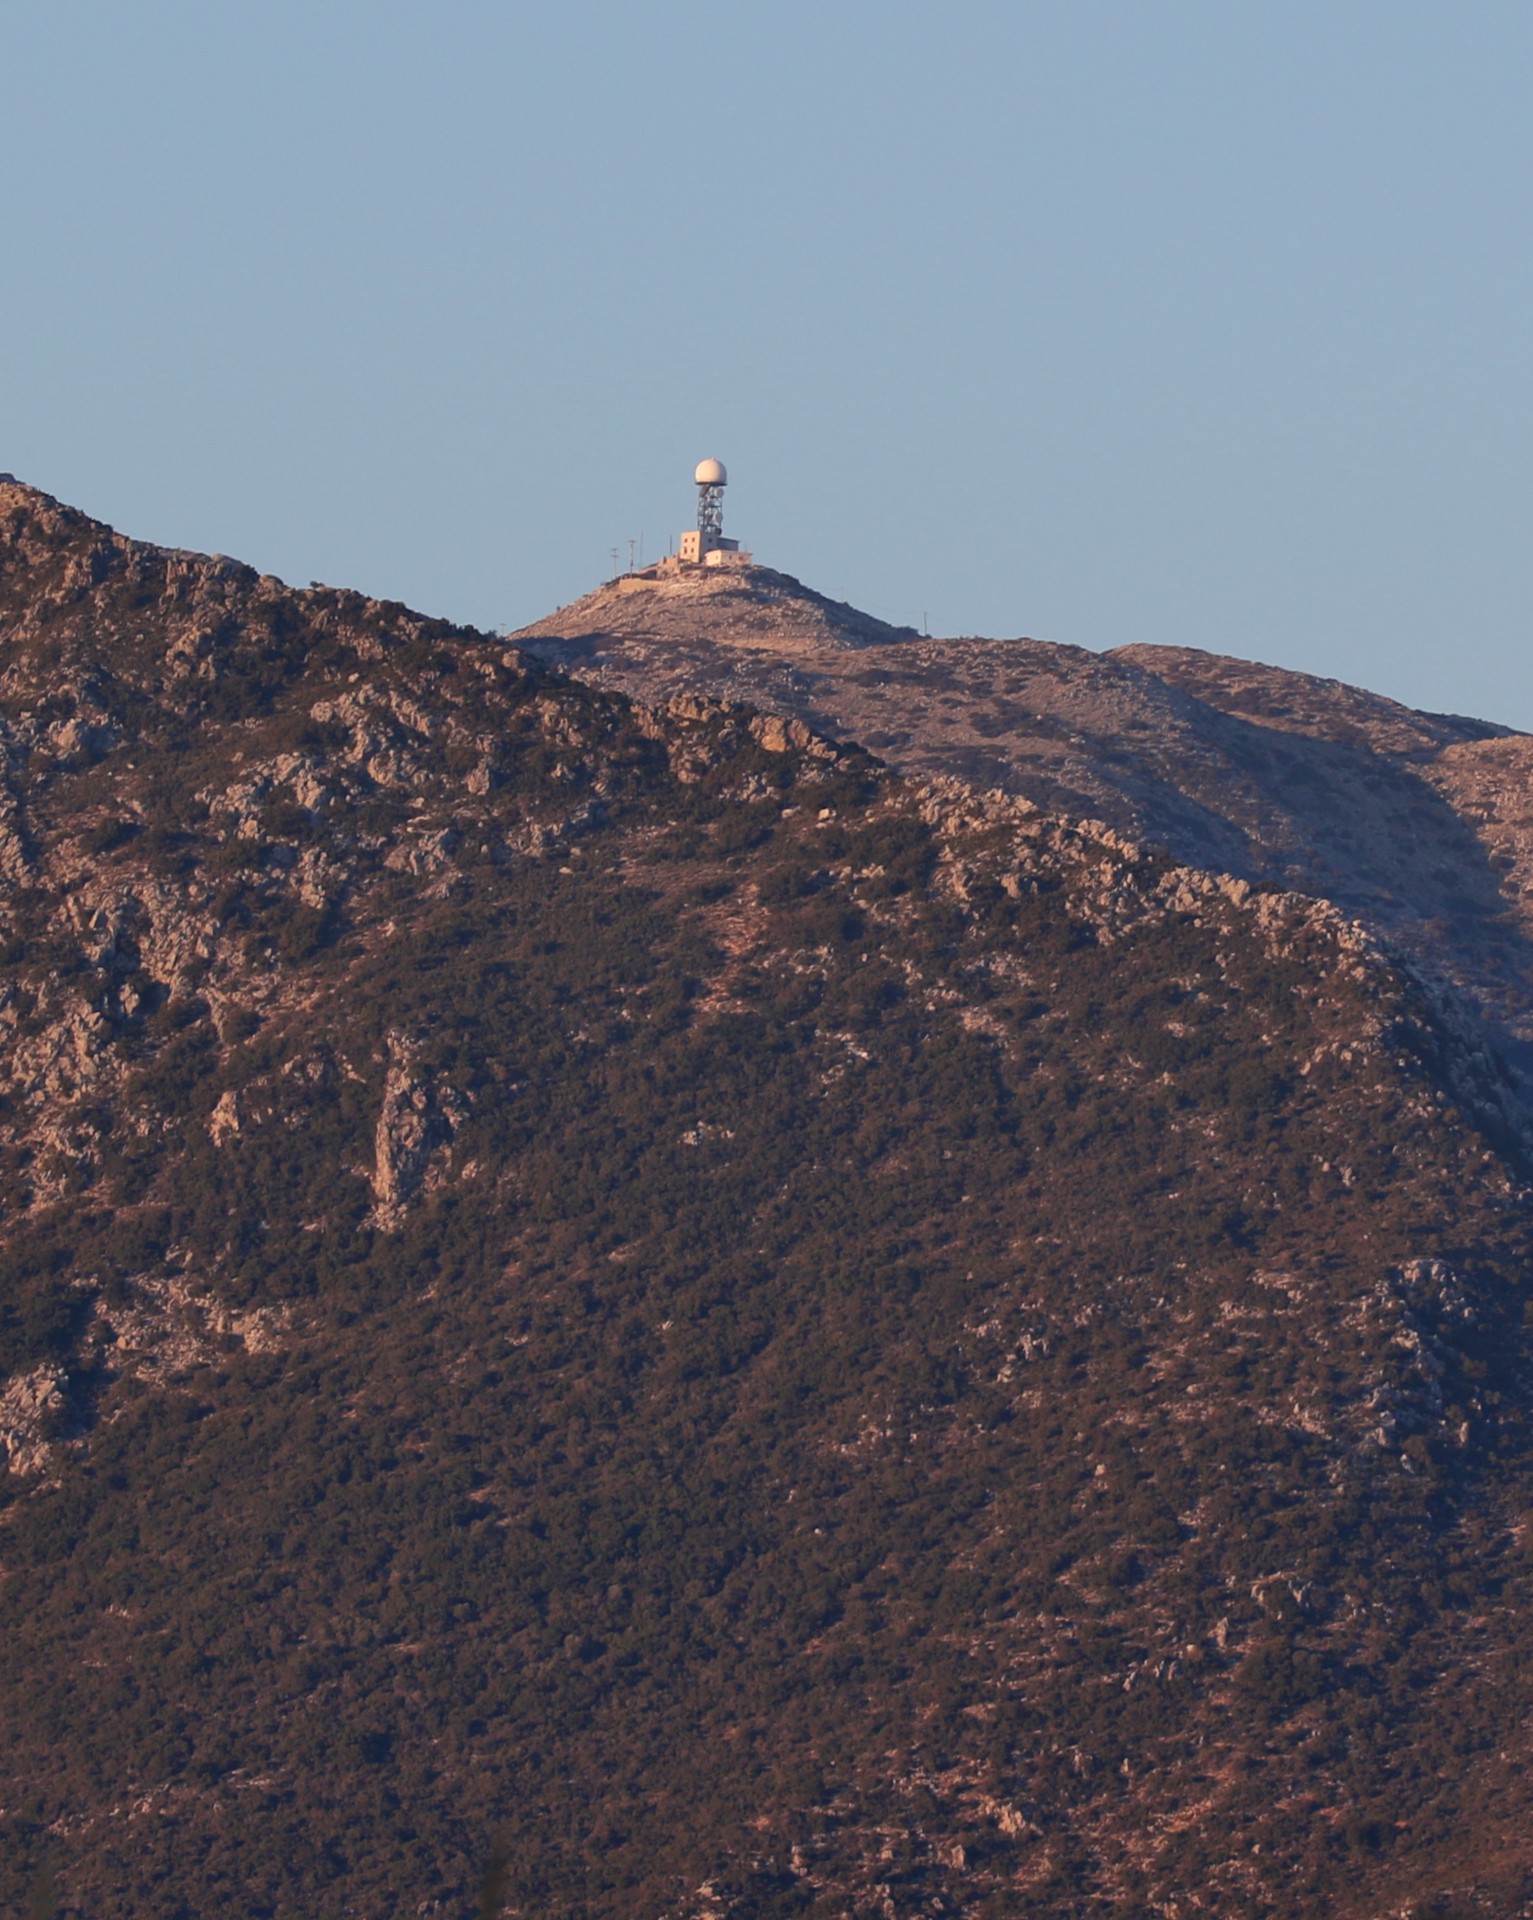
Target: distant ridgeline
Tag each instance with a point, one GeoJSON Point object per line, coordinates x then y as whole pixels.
{"type": "Point", "coordinates": [610, 1307]}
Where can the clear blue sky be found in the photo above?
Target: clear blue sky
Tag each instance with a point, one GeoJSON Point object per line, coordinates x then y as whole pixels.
{"type": "Point", "coordinates": [1187, 321]}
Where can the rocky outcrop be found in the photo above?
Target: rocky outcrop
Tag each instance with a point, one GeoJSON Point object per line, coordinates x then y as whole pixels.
{"type": "Point", "coordinates": [416, 1121]}
{"type": "Point", "coordinates": [33, 1406]}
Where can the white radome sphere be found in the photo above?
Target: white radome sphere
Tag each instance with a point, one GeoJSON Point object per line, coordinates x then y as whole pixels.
{"type": "Point", "coordinates": [710, 473]}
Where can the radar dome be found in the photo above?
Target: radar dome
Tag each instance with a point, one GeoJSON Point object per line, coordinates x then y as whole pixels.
{"type": "Point", "coordinates": [710, 473]}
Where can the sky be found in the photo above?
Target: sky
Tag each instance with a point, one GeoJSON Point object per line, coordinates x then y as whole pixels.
{"type": "Point", "coordinates": [1181, 321]}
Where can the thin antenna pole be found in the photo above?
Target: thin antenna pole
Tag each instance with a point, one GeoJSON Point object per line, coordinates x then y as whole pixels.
{"type": "Point", "coordinates": [631, 545]}
{"type": "Point", "coordinates": [613, 551]}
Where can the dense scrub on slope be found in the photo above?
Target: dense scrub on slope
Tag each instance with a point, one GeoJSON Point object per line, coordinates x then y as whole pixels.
{"type": "Point", "coordinates": [619, 1291]}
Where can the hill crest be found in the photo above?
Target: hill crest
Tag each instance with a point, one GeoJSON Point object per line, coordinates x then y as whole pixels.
{"type": "Point", "coordinates": [614, 1285]}
{"type": "Point", "coordinates": [747, 606]}
{"type": "Point", "coordinates": [1416, 823]}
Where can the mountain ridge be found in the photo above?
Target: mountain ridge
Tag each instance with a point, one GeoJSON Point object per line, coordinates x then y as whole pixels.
{"type": "Point", "coordinates": [1415, 823]}
{"type": "Point", "coordinates": [617, 1286]}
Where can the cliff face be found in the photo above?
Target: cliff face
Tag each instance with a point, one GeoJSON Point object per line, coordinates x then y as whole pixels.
{"type": "Point", "coordinates": [1412, 822]}
{"type": "Point", "coordinates": [614, 1285]}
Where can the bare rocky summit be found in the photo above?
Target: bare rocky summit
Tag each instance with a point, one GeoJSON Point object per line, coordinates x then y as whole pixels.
{"type": "Point", "coordinates": [747, 606]}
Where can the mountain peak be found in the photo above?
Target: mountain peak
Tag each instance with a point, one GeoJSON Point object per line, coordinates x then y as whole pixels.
{"type": "Point", "coordinates": [740, 606]}
{"type": "Point", "coordinates": [987, 1368]}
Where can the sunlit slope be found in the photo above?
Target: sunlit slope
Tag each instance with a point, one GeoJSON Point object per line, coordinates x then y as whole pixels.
{"type": "Point", "coordinates": [621, 1286]}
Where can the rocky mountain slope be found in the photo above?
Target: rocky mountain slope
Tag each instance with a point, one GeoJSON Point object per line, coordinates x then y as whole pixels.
{"type": "Point", "coordinates": [1418, 824]}
{"type": "Point", "coordinates": [608, 1308]}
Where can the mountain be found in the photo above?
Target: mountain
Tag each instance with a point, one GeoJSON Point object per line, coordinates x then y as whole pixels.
{"type": "Point", "coordinates": [612, 1307]}
{"type": "Point", "coordinates": [1417, 824]}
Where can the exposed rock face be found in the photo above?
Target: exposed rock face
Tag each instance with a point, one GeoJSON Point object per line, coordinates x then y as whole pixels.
{"type": "Point", "coordinates": [33, 1406]}
{"type": "Point", "coordinates": [415, 1121]}
{"type": "Point", "coordinates": [15, 860]}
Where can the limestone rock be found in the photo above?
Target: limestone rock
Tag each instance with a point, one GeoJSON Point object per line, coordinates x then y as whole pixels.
{"type": "Point", "coordinates": [416, 1120]}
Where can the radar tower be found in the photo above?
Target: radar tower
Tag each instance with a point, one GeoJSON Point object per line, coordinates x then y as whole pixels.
{"type": "Point", "coordinates": [711, 481]}
{"type": "Point", "coordinates": [705, 546]}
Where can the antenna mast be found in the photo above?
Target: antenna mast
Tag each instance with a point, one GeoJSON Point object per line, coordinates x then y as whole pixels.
{"type": "Point", "coordinates": [710, 512]}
